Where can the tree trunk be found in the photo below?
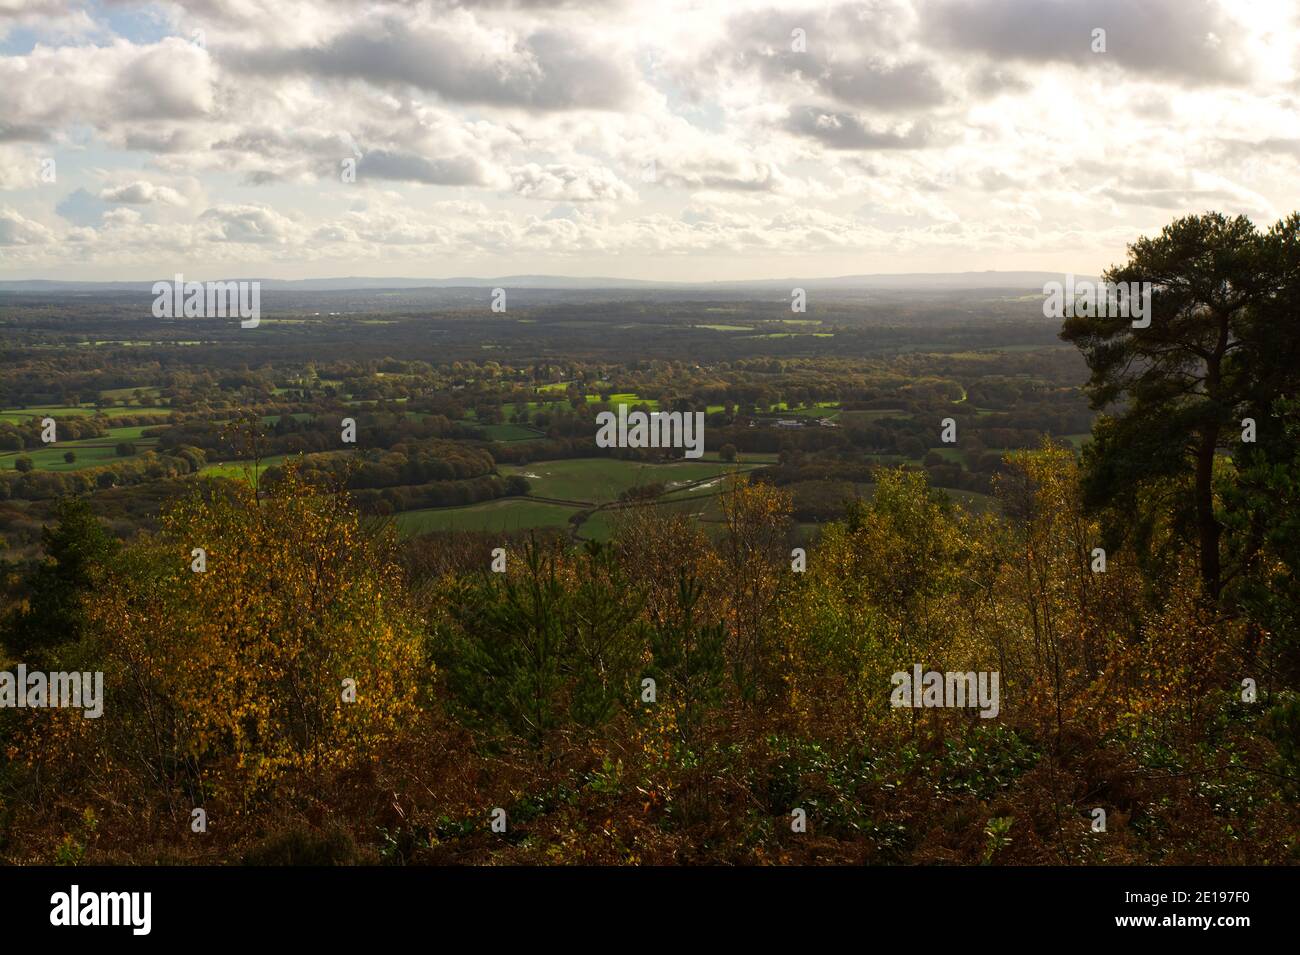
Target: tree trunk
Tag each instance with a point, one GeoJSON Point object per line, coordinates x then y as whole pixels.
{"type": "Point", "coordinates": [1208, 529]}
{"type": "Point", "coordinates": [1207, 526]}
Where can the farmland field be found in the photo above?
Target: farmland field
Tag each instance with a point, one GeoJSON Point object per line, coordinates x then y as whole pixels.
{"type": "Point", "coordinates": [585, 484]}
{"type": "Point", "coordinates": [90, 452]}
{"type": "Point", "coordinates": [240, 469]}
{"type": "Point", "coordinates": [19, 415]}
{"type": "Point", "coordinates": [599, 480]}
{"type": "Point", "coordinates": [507, 514]}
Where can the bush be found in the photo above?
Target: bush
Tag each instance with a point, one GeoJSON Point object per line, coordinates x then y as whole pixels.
{"type": "Point", "coordinates": [231, 681]}
{"type": "Point", "coordinates": [299, 845]}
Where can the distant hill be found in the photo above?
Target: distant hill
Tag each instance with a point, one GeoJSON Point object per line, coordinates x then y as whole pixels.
{"type": "Point", "coordinates": [903, 280]}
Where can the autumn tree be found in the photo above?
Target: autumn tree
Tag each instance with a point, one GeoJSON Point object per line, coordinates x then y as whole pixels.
{"type": "Point", "coordinates": [756, 560]}
{"type": "Point", "coordinates": [246, 645]}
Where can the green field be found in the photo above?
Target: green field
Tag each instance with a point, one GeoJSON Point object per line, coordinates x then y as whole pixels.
{"type": "Point", "coordinates": [593, 484]}
{"type": "Point", "coordinates": [134, 434]}
{"type": "Point", "coordinates": [240, 469]}
{"type": "Point", "coordinates": [506, 514]}
{"type": "Point", "coordinates": [629, 398]}
{"type": "Point", "coordinates": [509, 408]}
{"type": "Point", "coordinates": [91, 452]}
{"type": "Point", "coordinates": [823, 409]}
{"type": "Point", "coordinates": [126, 394]}
{"type": "Point", "coordinates": [51, 459]}
{"type": "Point", "coordinates": [45, 411]}
{"type": "Point", "coordinates": [600, 480]}
{"type": "Point", "coordinates": [586, 483]}
{"type": "Point", "coordinates": [19, 415]}
{"type": "Point", "coordinates": [127, 411]}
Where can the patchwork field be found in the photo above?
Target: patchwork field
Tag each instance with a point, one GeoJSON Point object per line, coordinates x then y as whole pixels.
{"type": "Point", "coordinates": [703, 502]}
{"type": "Point", "coordinates": [240, 469]}
{"type": "Point", "coordinates": [18, 415]}
{"type": "Point", "coordinates": [90, 452]}
{"type": "Point", "coordinates": [126, 394]}
{"type": "Point", "coordinates": [508, 514]}
{"type": "Point", "coordinates": [601, 480]}
{"type": "Point", "coordinates": [560, 490]}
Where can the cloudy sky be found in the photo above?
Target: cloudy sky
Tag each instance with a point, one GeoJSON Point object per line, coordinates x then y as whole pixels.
{"type": "Point", "coordinates": [658, 139]}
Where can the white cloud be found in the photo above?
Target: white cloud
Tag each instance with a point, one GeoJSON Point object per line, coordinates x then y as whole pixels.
{"type": "Point", "coordinates": [568, 184]}
{"type": "Point", "coordinates": [256, 224]}
{"type": "Point", "coordinates": [141, 192]}
{"type": "Point", "coordinates": [16, 229]}
{"type": "Point", "coordinates": [649, 137]}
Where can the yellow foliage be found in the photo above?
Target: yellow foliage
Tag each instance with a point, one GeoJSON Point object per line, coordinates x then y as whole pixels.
{"type": "Point", "coordinates": [228, 679]}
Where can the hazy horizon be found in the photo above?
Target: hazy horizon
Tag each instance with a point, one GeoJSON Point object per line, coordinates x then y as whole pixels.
{"type": "Point", "coordinates": [896, 280]}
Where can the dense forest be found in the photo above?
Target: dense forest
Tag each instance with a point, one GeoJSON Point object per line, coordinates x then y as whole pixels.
{"type": "Point", "coordinates": [685, 666]}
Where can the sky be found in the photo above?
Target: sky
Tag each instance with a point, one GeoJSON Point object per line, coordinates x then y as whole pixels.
{"type": "Point", "coordinates": [663, 140]}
